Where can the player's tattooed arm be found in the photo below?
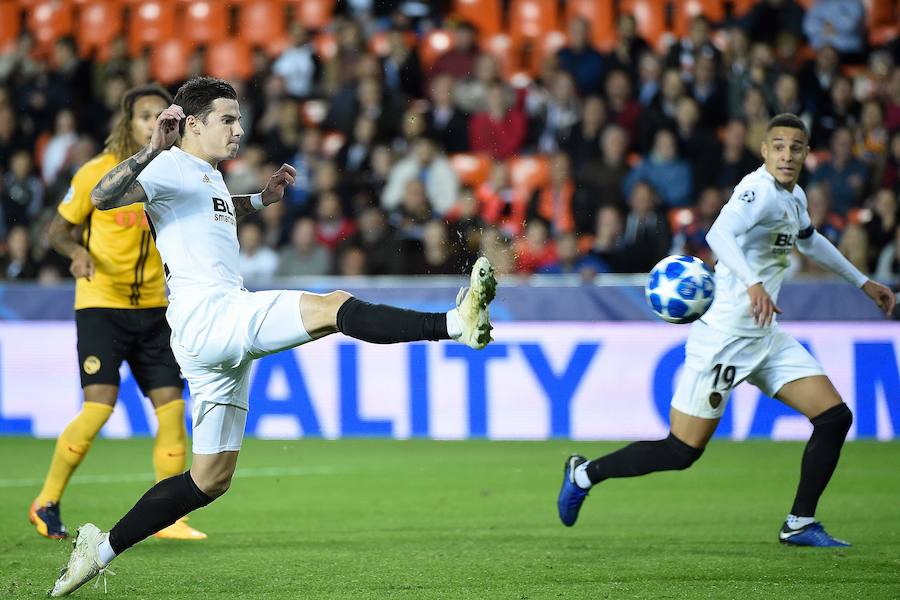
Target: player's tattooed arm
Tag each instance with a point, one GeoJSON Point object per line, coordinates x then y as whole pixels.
{"type": "Point", "coordinates": [120, 186]}
{"type": "Point", "coordinates": [242, 206]}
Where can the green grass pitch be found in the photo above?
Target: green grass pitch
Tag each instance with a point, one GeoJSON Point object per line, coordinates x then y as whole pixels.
{"type": "Point", "coordinates": [476, 519]}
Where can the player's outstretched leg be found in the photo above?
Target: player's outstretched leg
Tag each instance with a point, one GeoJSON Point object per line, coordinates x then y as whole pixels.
{"type": "Point", "coordinates": [639, 458]}
{"type": "Point", "coordinates": [469, 322]}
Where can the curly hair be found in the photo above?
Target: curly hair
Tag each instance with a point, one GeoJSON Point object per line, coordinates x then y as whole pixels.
{"type": "Point", "coordinates": [121, 142]}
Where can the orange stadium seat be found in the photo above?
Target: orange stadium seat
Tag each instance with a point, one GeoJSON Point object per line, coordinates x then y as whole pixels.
{"type": "Point", "coordinates": [48, 20]}
{"type": "Point", "coordinates": [261, 21]}
{"type": "Point", "coordinates": [486, 15]}
{"type": "Point", "coordinates": [230, 59]}
{"type": "Point", "coordinates": [169, 61]}
{"type": "Point", "coordinates": [739, 8]}
{"type": "Point", "coordinates": [472, 169]}
{"type": "Point", "coordinates": [685, 10]}
{"type": "Point", "coordinates": [650, 16]}
{"type": "Point", "coordinates": [531, 19]}
{"type": "Point", "coordinates": [882, 18]}
{"type": "Point", "coordinates": [526, 173]}
{"type": "Point", "coordinates": [205, 21]}
{"type": "Point", "coordinates": [601, 14]}
{"type": "Point", "coordinates": [9, 24]}
{"type": "Point", "coordinates": [313, 14]}
{"type": "Point", "coordinates": [435, 43]}
{"type": "Point", "coordinates": [325, 44]}
{"type": "Point", "coordinates": [99, 23]}
{"type": "Point", "coordinates": [150, 22]}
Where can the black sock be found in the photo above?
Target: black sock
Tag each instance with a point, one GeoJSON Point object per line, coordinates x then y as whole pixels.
{"type": "Point", "coordinates": [382, 324]}
{"type": "Point", "coordinates": [162, 505]}
{"type": "Point", "coordinates": [640, 458]}
{"type": "Point", "coordinates": [821, 457]}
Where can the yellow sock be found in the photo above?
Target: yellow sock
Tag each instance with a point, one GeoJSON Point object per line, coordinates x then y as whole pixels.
{"type": "Point", "coordinates": [71, 448]}
{"type": "Point", "coordinates": [171, 440]}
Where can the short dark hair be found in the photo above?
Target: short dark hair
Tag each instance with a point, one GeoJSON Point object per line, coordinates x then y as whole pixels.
{"type": "Point", "coordinates": [196, 97]}
{"type": "Point", "coordinates": [788, 120]}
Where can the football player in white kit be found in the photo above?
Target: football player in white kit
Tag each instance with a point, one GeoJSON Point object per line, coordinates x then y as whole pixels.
{"type": "Point", "coordinates": [738, 340]}
{"type": "Point", "coordinates": [218, 327]}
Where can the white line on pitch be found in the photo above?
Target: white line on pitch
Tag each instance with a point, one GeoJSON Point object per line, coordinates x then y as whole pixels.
{"type": "Point", "coordinates": [148, 477]}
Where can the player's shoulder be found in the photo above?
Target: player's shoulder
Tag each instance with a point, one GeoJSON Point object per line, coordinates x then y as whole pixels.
{"type": "Point", "coordinates": [757, 187]}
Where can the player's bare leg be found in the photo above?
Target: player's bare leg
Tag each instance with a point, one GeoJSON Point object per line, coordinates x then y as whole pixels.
{"type": "Point", "coordinates": [169, 453]}
{"type": "Point", "coordinates": [71, 448]}
{"type": "Point", "coordinates": [685, 443]}
{"type": "Point", "coordinates": [816, 398]}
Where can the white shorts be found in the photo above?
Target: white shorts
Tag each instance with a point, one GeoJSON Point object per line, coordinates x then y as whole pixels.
{"type": "Point", "coordinates": [215, 338]}
{"type": "Point", "coordinates": [716, 362]}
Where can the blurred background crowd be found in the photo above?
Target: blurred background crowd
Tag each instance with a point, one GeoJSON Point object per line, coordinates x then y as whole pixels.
{"type": "Point", "coordinates": [585, 137]}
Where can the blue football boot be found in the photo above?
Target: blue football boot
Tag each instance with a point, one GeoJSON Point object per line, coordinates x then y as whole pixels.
{"type": "Point", "coordinates": [810, 535]}
{"type": "Point", "coordinates": [570, 495]}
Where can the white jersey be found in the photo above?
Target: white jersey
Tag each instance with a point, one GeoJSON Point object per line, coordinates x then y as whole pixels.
{"type": "Point", "coordinates": [774, 218]}
{"type": "Point", "coordinates": [193, 222]}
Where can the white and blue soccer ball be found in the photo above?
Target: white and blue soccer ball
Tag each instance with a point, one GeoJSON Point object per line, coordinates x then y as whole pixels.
{"type": "Point", "coordinates": [680, 289]}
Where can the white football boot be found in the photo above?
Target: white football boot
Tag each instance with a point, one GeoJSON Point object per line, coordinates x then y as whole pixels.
{"type": "Point", "coordinates": [472, 305]}
{"type": "Point", "coordinates": [84, 563]}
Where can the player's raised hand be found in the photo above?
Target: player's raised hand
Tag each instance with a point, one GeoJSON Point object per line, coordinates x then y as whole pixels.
{"type": "Point", "coordinates": [165, 131]}
{"type": "Point", "coordinates": [82, 264]}
{"type": "Point", "coordinates": [285, 175]}
{"type": "Point", "coordinates": [762, 307]}
{"type": "Point", "coordinates": [881, 295]}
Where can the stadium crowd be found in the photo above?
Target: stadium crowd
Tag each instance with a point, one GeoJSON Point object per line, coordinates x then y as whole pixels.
{"type": "Point", "coordinates": [577, 159]}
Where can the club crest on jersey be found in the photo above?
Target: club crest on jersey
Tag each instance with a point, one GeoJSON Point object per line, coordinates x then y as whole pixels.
{"type": "Point", "coordinates": [223, 212]}
{"type": "Point", "coordinates": [715, 399]}
{"type": "Point", "coordinates": [748, 196]}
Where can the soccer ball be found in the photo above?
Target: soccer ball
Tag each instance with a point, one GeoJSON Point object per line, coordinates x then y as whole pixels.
{"type": "Point", "coordinates": [680, 289]}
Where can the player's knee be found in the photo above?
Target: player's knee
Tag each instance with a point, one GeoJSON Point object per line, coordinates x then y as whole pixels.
{"type": "Point", "coordinates": [337, 298]}
{"type": "Point", "coordinates": [683, 455]}
{"type": "Point", "coordinates": [836, 419]}
{"type": "Point", "coordinates": [216, 486]}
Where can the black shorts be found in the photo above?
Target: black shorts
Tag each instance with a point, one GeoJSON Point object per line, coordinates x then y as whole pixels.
{"type": "Point", "coordinates": [107, 336]}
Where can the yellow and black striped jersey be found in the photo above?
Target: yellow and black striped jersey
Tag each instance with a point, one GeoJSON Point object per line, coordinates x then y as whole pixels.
{"type": "Point", "coordinates": [129, 271]}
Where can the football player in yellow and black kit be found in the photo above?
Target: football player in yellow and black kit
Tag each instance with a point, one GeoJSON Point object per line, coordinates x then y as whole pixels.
{"type": "Point", "coordinates": [120, 307]}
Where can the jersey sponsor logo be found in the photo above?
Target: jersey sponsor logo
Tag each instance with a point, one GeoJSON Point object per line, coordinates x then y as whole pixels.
{"type": "Point", "coordinates": [131, 218]}
{"type": "Point", "coordinates": [222, 212]}
{"type": "Point", "coordinates": [783, 243]}
{"type": "Point", "coordinates": [91, 365]}
{"type": "Point", "coordinates": [748, 196]}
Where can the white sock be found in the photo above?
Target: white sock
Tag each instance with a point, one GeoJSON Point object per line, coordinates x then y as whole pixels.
{"type": "Point", "coordinates": [454, 325]}
{"type": "Point", "coordinates": [581, 477]}
{"type": "Point", "coordinates": [795, 522]}
{"type": "Point", "coordinates": [105, 552]}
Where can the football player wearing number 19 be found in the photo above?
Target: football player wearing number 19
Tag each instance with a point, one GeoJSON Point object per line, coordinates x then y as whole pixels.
{"type": "Point", "coordinates": [738, 340]}
{"type": "Point", "coordinates": [218, 327]}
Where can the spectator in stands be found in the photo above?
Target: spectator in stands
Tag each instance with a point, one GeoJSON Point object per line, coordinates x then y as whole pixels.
{"type": "Point", "coordinates": [304, 255]}
{"type": "Point", "coordinates": [305, 161]}
{"type": "Point", "coordinates": [629, 47]}
{"type": "Point", "coordinates": [690, 238]}
{"type": "Point", "coordinates": [281, 131]}
{"type": "Point", "coordinates": [608, 248]}
{"type": "Point", "coordinates": [583, 143]}
{"type": "Point", "coordinates": [467, 224]}
{"type": "Point", "coordinates": [459, 61]}
{"type": "Point", "coordinates": [649, 78]}
{"type": "Point", "coordinates": [891, 176]}
{"type": "Point", "coordinates": [880, 229]}
{"type": "Point", "coordinates": [379, 240]}
{"type": "Point", "coordinates": [401, 70]}
{"type": "Point", "coordinates": [737, 159]}
{"type": "Point", "coordinates": [332, 224]}
{"type": "Point", "coordinates": [298, 65]}
{"type": "Point", "coordinates": [352, 262]}
{"type": "Point", "coordinates": [888, 269]}
{"type": "Point", "coordinates": [759, 73]}
{"type": "Point", "coordinates": [710, 92]}
{"type": "Point", "coordinates": [17, 262]}
{"type": "Point", "coordinates": [841, 111]}
{"type": "Point", "coordinates": [601, 180]}
{"type": "Point", "coordinates": [445, 122]}
{"type": "Point", "coordinates": [846, 175]}
{"type": "Point", "coordinates": [623, 109]}
{"type": "Point", "coordinates": [553, 202]}
{"type": "Point", "coordinates": [552, 118]}
{"type": "Point", "coordinates": [871, 137]}
{"type": "Point", "coordinates": [341, 69]}
{"type": "Point", "coordinates": [826, 222]}
{"type": "Point", "coordinates": [471, 93]}
{"type": "Point", "coordinates": [816, 78]}
{"type": "Point", "coordinates": [354, 157]}
{"type": "Point", "coordinates": [661, 111]}
{"type": "Point", "coordinates": [570, 260]}
{"type": "Point", "coordinates": [696, 144]}
{"type": "Point", "coordinates": [536, 249]}
{"type": "Point", "coordinates": [414, 211]}
{"type": "Point", "coordinates": [499, 204]}
{"type": "Point", "coordinates": [437, 255]}
{"type": "Point", "coordinates": [664, 171]}
{"type": "Point", "coordinates": [685, 53]}
{"type": "Point", "coordinates": [258, 261]}
{"type": "Point", "coordinates": [580, 59]}
{"type": "Point", "coordinates": [368, 100]}
{"type": "Point", "coordinates": [647, 237]}
{"type": "Point", "coordinates": [425, 163]}
{"type": "Point", "coordinates": [786, 96]}
{"type": "Point", "coordinates": [21, 195]}
{"type": "Point", "coordinates": [855, 246]}
{"type": "Point", "coordinates": [837, 23]}
{"type": "Point", "coordinates": [768, 17]}
{"type": "Point", "coordinates": [500, 129]}
{"type": "Point", "coordinates": [756, 115]}
{"type": "Point", "coordinates": [57, 150]}
{"type": "Point", "coordinates": [892, 101]}
{"type": "Point", "coordinates": [498, 250]}
{"type": "Point", "coordinates": [69, 77]}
